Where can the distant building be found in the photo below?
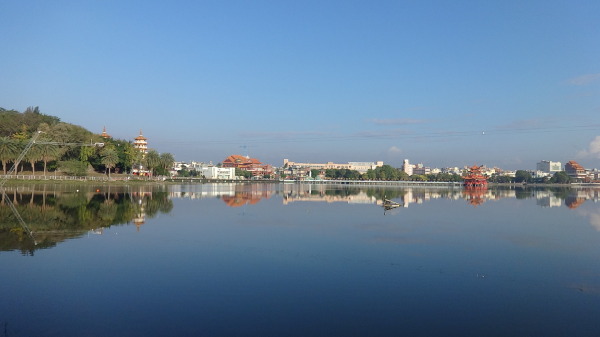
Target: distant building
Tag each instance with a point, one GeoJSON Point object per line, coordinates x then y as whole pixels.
{"type": "Point", "coordinates": [575, 171]}
{"type": "Point", "coordinates": [407, 167]}
{"type": "Point", "coordinates": [213, 172]}
{"type": "Point", "coordinates": [420, 169]}
{"type": "Point", "coordinates": [251, 165]}
{"type": "Point", "coordinates": [550, 167]}
{"type": "Point", "coordinates": [140, 143]}
{"type": "Point", "coordinates": [361, 167]}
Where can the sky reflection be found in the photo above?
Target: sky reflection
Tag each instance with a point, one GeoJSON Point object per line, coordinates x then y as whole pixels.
{"type": "Point", "coordinates": [299, 261]}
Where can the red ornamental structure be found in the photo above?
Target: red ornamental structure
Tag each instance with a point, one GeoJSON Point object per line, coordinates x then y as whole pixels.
{"type": "Point", "coordinates": [475, 177]}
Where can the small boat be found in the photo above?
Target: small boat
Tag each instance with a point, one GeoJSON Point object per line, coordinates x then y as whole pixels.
{"type": "Point", "coordinates": [390, 204]}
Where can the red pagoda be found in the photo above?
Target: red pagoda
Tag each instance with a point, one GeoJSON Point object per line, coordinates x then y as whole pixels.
{"type": "Point", "coordinates": [475, 178]}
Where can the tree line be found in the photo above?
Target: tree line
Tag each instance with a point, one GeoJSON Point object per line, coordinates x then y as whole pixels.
{"type": "Point", "coordinates": [388, 173]}
{"type": "Point", "coordinates": [68, 148]}
{"type": "Point", "coordinates": [522, 176]}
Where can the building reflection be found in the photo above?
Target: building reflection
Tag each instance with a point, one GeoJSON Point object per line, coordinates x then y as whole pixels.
{"type": "Point", "coordinates": [236, 195]}
{"type": "Point", "coordinates": [58, 212]}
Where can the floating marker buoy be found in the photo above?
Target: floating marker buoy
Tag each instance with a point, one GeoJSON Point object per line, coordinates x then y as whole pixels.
{"type": "Point", "coordinates": [97, 190]}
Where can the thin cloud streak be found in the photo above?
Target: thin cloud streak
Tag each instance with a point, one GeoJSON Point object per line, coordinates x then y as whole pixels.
{"type": "Point", "coordinates": [584, 79]}
{"type": "Point", "coordinates": [399, 121]}
{"type": "Point", "coordinates": [283, 134]}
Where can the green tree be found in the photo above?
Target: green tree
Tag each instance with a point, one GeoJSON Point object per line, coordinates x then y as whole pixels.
{"type": "Point", "coordinates": [243, 173]}
{"type": "Point", "coordinates": [74, 167]}
{"type": "Point", "coordinates": [49, 152]}
{"type": "Point", "coordinates": [522, 176]}
{"type": "Point", "coordinates": [33, 156]}
{"type": "Point", "coordinates": [109, 158]}
{"type": "Point", "coordinates": [166, 162]}
{"type": "Point", "coordinates": [85, 153]}
{"type": "Point", "coordinates": [8, 151]}
{"type": "Point", "coordinates": [20, 146]}
{"type": "Point", "coordinates": [132, 156]}
{"type": "Point", "coordinates": [152, 160]}
{"type": "Point", "coordinates": [560, 178]}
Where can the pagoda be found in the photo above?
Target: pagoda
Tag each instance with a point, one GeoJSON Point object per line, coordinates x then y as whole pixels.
{"type": "Point", "coordinates": [104, 134]}
{"type": "Point", "coordinates": [475, 177]}
{"type": "Point", "coordinates": [140, 143]}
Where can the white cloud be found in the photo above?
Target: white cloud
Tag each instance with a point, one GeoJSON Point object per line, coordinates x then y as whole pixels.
{"type": "Point", "coordinates": [593, 149]}
{"type": "Point", "coordinates": [394, 150]}
{"type": "Point", "coordinates": [584, 79]}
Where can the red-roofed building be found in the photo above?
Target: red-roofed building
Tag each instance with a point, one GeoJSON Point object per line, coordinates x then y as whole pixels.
{"type": "Point", "coordinates": [252, 165]}
{"type": "Point", "coordinates": [576, 171]}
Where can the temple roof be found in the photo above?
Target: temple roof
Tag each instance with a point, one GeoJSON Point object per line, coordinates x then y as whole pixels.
{"type": "Point", "coordinates": [104, 134]}
{"type": "Point", "coordinates": [140, 137]}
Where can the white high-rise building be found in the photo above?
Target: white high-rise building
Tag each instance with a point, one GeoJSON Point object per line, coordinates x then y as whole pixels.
{"type": "Point", "coordinates": [407, 167]}
{"type": "Point", "coordinates": [549, 166]}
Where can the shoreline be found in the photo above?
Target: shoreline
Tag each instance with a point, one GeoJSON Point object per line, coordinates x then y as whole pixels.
{"type": "Point", "coordinates": [126, 180]}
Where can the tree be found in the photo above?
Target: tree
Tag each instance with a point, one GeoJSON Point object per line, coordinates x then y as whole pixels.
{"type": "Point", "coordinates": [560, 178]}
{"type": "Point", "coordinates": [243, 173]}
{"type": "Point", "coordinates": [166, 162]}
{"type": "Point", "coordinates": [49, 152]}
{"type": "Point", "coordinates": [522, 176]}
{"type": "Point", "coordinates": [132, 156]}
{"type": "Point", "coordinates": [74, 167]}
{"type": "Point", "coordinates": [32, 156]}
{"type": "Point", "coordinates": [8, 151]}
{"type": "Point", "coordinates": [152, 161]}
{"type": "Point", "coordinates": [20, 146]}
{"type": "Point", "coordinates": [109, 158]}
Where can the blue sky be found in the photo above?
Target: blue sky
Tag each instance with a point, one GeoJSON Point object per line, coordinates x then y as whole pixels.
{"type": "Point", "coordinates": [446, 83]}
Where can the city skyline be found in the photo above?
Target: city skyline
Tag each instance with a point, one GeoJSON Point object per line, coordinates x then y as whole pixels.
{"type": "Point", "coordinates": [503, 84]}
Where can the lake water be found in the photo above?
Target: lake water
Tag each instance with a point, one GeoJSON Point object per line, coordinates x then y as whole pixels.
{"type": "Point", "coordinates": [298, 260]}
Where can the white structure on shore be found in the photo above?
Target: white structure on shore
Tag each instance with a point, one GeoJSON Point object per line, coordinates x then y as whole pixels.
{"type": "Point", "coordinates": [213, 172]}
{"type": "Point", "coordinates": [361, 167]}
{"type": "Point", "coordinates": [407, 167]}
{"type": "Point", "coordinates": [549, 166]}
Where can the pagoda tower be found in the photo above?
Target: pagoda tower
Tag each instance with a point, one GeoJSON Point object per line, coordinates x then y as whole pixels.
{"type": "Point", "coordinates": [104, 134]}
{"type": "Point", "coordinates": [140, 143]}
{"type": "Point", "coordinates": [475, 177]}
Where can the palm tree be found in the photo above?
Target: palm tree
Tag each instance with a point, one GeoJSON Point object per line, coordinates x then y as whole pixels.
{"type": "Point", "coordinates": [110, 158]}
{"type": "Point", "coordinates": [49, 152]}
{"type": "Point", "coordinates": [8, 150]}
{"type": "Point", "coordinates": [19, 147]}
{"type": "Point", "coordinates": [152, 160]}
{"type": "Point", "coordinates": [166, 161]}
{"type": "Point", "coordinates": [32, 156]}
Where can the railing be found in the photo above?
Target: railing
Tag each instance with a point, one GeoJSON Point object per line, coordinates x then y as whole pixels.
{"type": "Point", "coordinates": [72, 178]}
{"type": "Point", "coordinates": [50, 177]}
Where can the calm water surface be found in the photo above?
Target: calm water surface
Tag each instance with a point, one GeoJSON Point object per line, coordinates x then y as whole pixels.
{"type": "Point", "coordinates": [299, 260]}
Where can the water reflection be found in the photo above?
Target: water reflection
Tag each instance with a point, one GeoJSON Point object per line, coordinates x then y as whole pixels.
{"type": "Point", "coordinates": [57, 213]}
{"type": "Point", "coordinates": [236, 195]}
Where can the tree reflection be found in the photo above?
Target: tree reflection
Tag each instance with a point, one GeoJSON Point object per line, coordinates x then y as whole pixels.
{"type": "Point", "coordinates": [54, 216]}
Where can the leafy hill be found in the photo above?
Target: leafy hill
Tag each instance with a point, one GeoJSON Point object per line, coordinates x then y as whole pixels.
{"type": "Point", "coordinates": [67, 147]}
